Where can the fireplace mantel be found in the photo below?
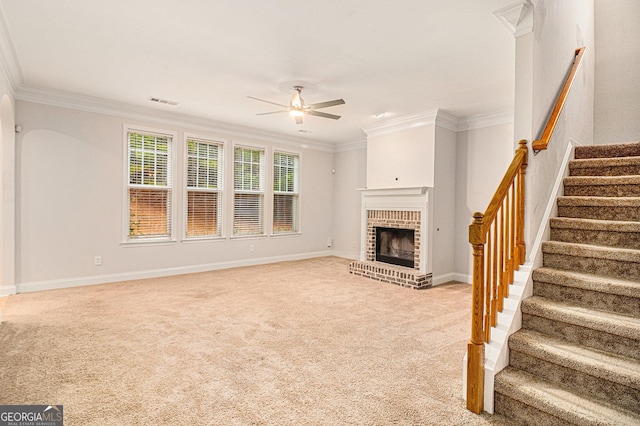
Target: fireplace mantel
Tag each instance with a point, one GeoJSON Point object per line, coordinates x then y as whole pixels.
{"type": "Point", "coordinates": [416, 199]}
{"type": "Point", "coordinates": [392, 192]}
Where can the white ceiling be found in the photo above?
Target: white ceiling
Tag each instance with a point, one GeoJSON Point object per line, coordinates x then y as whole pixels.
{"type": "Point", "coordinates": [401, 57]}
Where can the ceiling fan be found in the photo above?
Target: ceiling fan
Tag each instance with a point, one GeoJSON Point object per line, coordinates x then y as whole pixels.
{"type": "Point", "coordinates": [297, 109]}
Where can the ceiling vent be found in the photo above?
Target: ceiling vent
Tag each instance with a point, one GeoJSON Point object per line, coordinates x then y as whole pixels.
{"type": "Point", "coordinates": [163, 101]}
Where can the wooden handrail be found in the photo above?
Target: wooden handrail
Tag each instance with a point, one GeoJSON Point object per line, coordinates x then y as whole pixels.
{"type": "Point", "coordinates": [497, 237]}
{"type": "Point", "coordinates": [542, 143]}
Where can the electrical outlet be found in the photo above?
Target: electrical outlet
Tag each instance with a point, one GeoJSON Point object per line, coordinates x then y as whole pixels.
{"type": "Point", "coordinates": [252, 247]}
{"type": "Point", "coordinates": [97, 261]}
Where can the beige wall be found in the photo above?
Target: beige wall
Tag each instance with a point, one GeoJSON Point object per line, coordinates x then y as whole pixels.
{"type": "Point", "coordinates": [402, 159]}
{"type": "Point", "coordinates": [71, 206]}
{"type": "Point", "coordinates": [70, 210]}
{"type": "Point", "coordinates": [444, 206]}
{"type": "Point", "coordinates": [559, 28]}
{"type": "Point", "coordinates": [482, 158]}
{"type": "Point", "coordinates": [617, 70]}
{"type": "Point", "coordinates": [350, 175]}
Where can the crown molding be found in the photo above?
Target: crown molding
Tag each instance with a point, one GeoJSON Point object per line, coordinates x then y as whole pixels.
{"type": "Point", "coordinates": [9, 63]}
{"type": "Point", "coordinates": [435, 117]}
{"type": "Point", "coordinates": [486, 120]}
{"type": "Point", "coordinates": [351, 146]}
{"type": "Point", "coordinates": [442, 119]}
{"type": "Point", "coordinates": [446, 120]}
{"type": "Point", "coordinates": [517, 17]}
{"type": "Point", "coordinates": [132, 112]}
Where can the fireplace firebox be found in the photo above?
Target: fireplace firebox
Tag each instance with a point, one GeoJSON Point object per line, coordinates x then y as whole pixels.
{"type": "Point", "coordinates": [395, 246]}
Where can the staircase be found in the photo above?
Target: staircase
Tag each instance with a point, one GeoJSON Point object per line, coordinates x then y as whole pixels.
{"type": "Point", "coordinates": [576, 359]}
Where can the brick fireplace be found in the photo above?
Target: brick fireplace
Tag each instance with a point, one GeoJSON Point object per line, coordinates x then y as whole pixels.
{"type": "Point", "coordinates": [395, 237]}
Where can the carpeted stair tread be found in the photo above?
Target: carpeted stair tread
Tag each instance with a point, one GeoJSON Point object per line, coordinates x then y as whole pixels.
{"type": "Point", "coordinates": [602, 186]}
{"type": "Point", "coordinates": [611, 233]}
{"type": "Point", "coordinates": [588, 282]}
{"type": "Point", "coordinates": [609, 322]}
{"type": "Point", "coordinates": [599, 201]}
{"type": "Point", "coordinates": [617, 166]}
{"type": "Point", "coordinates": [601, 180]}
{"type": "Point", "coordinates": [594, 372]}
{"type": "Point", "coordinates": [564, 405]}
{"type": "Point", "coordinates": [606, 366]}
{"type": "Point", "coordinates": [608, 150]}
{"type": "Point", "coordinates": [604, 208]}
{"type": "Point", "coordinates": [591, 251]}
{"type": "Point", "coordinates": [616, 262]}
{"type": "Point", "coordinates": [595, 224]}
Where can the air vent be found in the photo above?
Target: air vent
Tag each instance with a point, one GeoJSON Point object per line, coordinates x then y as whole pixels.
{"type": "Point", "coordinates": [163, 101]}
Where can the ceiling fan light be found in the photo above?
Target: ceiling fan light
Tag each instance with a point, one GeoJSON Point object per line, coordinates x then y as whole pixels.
{"type": "Point", "coordinates": [296, 100]}
{"type": "Point", "coordinates": [294, 112]}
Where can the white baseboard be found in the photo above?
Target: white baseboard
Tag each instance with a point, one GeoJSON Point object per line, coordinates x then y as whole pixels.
{"type": "Point", "coordinates": [351, 256]}
{"type": "Point", "coordinates": [128, 276]}
{"type": "Point", "coordinates": [442, 279]}
{"type": "Point", "coordinates": [452, 276]}
{"type": "Point", "coordinates": [463, 278]}
{"type": "Point", "coordinates": [7, 290]}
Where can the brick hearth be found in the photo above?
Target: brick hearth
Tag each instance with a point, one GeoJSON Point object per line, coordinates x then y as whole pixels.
{"type": "Point", "coordinates": [387, 273]}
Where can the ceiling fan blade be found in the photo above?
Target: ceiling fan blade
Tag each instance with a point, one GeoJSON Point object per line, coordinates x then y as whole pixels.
{"type": "Point", "coordinates": [269, 102]}
{"type": "Point", "coordinates": [322, 114]}
{"type": "Point", "coordinates": [272, 112]}
{"type": "Point", "coordinates": [298, 119]}
{"type": "Point", "coordinates": [326, 104]}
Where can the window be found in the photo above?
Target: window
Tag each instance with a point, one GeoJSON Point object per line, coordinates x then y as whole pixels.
{"type": "Point", "coordinates": [204, 188]}
{"type": "Point", "coordinates": [285, 193]}
{"type": "Point", "coordinates": [248, 186]}
{"type": "Point", "coordinates": [149, 185]}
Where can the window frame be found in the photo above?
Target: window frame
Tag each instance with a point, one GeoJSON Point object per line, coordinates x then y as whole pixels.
{"type": "Point", "coordinates": [221, 178]}
{"type": "Point", "coordinates": [263, 177]}
{"type": "Point", "coordinates": [296, 192]}
{"type": "Point", "coordinates": [171, 181]}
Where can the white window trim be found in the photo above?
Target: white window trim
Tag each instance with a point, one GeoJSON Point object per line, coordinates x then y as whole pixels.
{"type": "Point", "coordinates": [266, 189]}
{"type": "Point", "coordinates": [223, 187]}
{"type": "Point", "coordinates": [272, 195]}
{"type": "Point", "coordinates": [126, 128]}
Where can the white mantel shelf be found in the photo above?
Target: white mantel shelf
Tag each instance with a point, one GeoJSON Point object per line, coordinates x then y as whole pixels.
{"type": "Point", "coordinates": [418, 190]}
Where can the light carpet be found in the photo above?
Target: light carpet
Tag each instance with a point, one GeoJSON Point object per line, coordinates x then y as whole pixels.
{"type": "Point", "coordinates": [291, 343]}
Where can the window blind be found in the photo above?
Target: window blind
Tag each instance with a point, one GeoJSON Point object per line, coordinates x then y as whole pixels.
{"type": "Point", "coordinates": [285, 193]}
{"type": "Point", "coordinates": [149, 185]}
{"type": "Point", "coordinates": [248, 186]}
{"type": "Point", "coordinates": [204, 185]}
